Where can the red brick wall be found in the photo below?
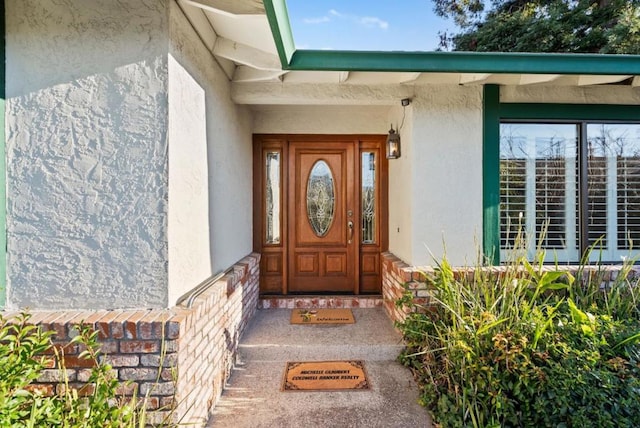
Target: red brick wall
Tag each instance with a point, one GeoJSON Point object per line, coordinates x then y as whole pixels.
{"type": "Point", "coordinates": [198, 344]}
{"type": "Point", "coordinates": [395, 275]}
{"type": "Point", "coordinates": [398, 277]}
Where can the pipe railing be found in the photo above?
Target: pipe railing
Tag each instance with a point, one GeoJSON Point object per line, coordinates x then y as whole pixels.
{"type": "Point", "coordinates": [187, 299]}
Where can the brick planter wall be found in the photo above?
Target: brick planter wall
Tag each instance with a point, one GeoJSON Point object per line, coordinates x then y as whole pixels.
{"type": "Point", "coordinates": [397, 277]}
{"type": "Point", "coordinates": [198, 344]}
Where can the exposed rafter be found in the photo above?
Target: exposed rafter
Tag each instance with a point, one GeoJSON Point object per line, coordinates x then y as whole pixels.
{"type": "Point", "coordinates": [246, 55]}
{"type": "Point", "coordinates": [600, 80]}
{"type": "Point", "coordinates": [409, 77]}
{"type": "Point", "coordinates": [247, 74]}
{"type": "Point", "coordinates": [316, 77]}
{"type": "Point", "coordinates": [233, 7]}
{"type": "Point", "coordinates": [473, 78]}
{"type": "Point", "coordinates": [532, 79]}
{"type": "Point", "coordinates": [205, 31]}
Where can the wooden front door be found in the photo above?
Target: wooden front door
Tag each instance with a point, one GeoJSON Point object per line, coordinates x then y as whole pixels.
{"type": "Point", "coordinates": [320, 213]}
{"type": "Point", "coordinates": [323, 211]}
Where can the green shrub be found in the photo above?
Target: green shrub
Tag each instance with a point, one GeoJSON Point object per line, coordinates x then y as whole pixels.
{"type": "Point", "coordinates": [22, 359]}
{"type": "Point", "coordinates": [526, 348]}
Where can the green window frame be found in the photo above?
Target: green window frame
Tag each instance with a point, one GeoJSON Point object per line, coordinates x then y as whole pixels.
{"type": "Point", "coordinates": [495, 112]}
{"type": "Point", "coordinates": [3, 169]}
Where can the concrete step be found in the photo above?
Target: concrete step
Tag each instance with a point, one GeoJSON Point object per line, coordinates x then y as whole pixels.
{"type": "Point", "coordinates": [254, 398]}
{"type": "Point", "coordinates": [272, 338]}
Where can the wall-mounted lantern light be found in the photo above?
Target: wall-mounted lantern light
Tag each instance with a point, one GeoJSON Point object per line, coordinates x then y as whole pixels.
{"type": "Point", "coordinates": [393, 139]}
{"type": "Point", "coordinates": [393, 144]}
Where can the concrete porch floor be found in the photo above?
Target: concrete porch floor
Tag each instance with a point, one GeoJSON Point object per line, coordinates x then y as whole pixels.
{"type": "Point", "coordinates": [253, 397]}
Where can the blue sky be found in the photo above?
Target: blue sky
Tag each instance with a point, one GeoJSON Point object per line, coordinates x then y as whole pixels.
{"type": "Point", "coordinates": [408, 25]}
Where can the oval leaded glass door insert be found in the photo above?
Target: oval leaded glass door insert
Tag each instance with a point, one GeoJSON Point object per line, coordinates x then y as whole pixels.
{"type": "Point", "coordinates": [320, 198]}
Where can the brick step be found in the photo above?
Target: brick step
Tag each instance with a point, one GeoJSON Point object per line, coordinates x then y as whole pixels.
{"type": "Point", "coordinates": [322, 302]}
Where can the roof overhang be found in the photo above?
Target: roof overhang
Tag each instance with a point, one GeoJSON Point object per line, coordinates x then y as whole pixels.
{"type": "Point", "coordinates": [253, 42]}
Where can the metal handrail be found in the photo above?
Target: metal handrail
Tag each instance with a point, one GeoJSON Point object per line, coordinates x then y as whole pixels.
{"type": "Point", "coordinates": [191, 295]}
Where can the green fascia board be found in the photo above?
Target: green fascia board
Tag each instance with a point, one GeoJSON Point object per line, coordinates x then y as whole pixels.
{"type": "Point", "coordinates": [437, 62]}
{"type": "Point", "coordinates": [278, 18]}
{"type": "Point", "coordinates": [466, 62]}
{"type": "Point", "coordinates": [491, 174]}
{"type": "Point", "coordinates": [545, 111]}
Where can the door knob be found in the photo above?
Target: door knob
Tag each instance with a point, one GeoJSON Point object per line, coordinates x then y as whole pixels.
{"type": "Point", "coordinates": [350, 227]}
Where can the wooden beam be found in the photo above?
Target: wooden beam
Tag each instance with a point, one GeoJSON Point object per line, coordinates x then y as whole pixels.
{"type": "Point", "coordinates": [599, 80]}
{"type": "Point", "coordinates": [532, 79]}
{"type": "Point", "coordinates": [248, 74]}
{"type": "Point", "coordinates": [233, 7]}
{"type": "Point", "coordinates": [473, 78]}
{"type": "Point", "coordinates": [409, 77]}
{"type": "Point", "coordinates": [246, 55]}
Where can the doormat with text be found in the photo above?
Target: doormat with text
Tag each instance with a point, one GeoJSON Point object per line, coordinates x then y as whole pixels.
{"type": "Point", "coordinates": [322, 316]}
{"type": "Point", "coordinates": [325, 376]}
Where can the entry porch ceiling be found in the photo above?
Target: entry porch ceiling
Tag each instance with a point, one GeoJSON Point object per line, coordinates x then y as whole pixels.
{"type": "Point", "coordinates": [254, 48]}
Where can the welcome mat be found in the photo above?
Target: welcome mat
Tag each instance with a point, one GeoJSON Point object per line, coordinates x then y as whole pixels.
{"type": "Point", "coordinates": [325, 376]}
{"type": "Point", "coordinates": [322, 316]}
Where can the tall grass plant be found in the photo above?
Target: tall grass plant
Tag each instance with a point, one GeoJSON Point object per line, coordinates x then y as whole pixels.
{"type": "Point", "coordinates": [527, 345]}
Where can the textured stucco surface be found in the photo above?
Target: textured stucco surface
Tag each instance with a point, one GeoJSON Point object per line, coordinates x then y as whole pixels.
{"type": "Point", "coordinates": [87, 153]}
{"type": "Point", "coordinates": [189, 248]}
{"type": "Point", "coordinates": [401, 186]}
{"type": "Point", "coordinates": [603, 94]}
{"type": "Point", "coordinates": [447, 174]}
{"type": "Point", "coordinates": [307, 119]}
{"type": "Point", "coordinates": [210, 164]}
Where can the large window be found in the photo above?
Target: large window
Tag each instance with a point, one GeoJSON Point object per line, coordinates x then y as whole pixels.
{"type": "Point", "coordinates": [566, 186]}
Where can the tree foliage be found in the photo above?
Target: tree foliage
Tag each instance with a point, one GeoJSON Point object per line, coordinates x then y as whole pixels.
{"type": "Point", "coordinates": [574, 26]}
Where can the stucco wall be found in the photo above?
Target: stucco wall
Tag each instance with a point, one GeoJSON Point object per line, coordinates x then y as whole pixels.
{"type": "Point", "coordinates": [447, 174]}
{"type": "Point", "coordinates": [603, 94]}
{"type": "Point", "coordinates": [210, 164]}
{"type": "Point", "coordinates": [301, 119]}
{"type": "Point", "coordinates": [86, 153]}
{"type": "Point", "coordinates": [402, 186]}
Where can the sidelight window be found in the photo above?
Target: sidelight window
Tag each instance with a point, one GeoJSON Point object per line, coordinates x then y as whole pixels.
{"type": "Point", "coordinates": [368, 194]}
{"type": "Point", "coordinates": [273, 200]}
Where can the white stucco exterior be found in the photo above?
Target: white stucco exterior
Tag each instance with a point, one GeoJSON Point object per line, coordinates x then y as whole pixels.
{"type": "Point", "coordinates": [86, 119]}
{"type": "Point", "coordinates": [447, 174]}
{"type": "Point", "coordinates": [210, 163]}
{"type": "Point", "coordinates": [311, 119]}
{"type": "Point", "coordinates": [604, 94]}
{"type": "Point", "coordinates": [401, 186]}
{"type": "Point", "coordinates": [128, 164]}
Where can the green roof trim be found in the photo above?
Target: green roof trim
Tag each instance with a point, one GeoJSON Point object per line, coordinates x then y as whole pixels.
{"type": "Point", "coordinates": [438, 62]}
{"type": "Point", "coordinates": [466, 62]}
{"type": "Point", "coordinates": [3, 167]}
{"type": "Point", "coordinates": [278, 18]}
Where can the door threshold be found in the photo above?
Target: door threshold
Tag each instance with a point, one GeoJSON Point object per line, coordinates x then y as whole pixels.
{"type": "Point", "coordinates": [320, 302]}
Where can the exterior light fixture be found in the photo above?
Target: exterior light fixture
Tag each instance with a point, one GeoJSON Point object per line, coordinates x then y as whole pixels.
{"type": "Point", "coordinates": [393, 144]}
{"type": "Point", "coordinates": [393, 139]}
